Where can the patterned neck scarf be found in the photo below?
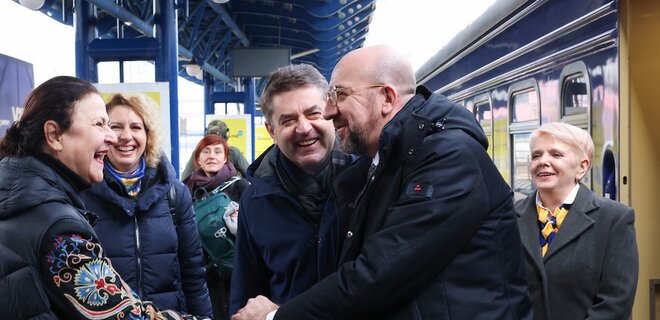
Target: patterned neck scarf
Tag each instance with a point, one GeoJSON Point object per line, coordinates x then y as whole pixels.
{"type": "Point", "coordinates": [311, 191]}
{"type": "Point", "coordinates": [132, 181]}
{"type": "Point", "coordinates": [549, 223]}
{"type": "Point", "coordinates": [199, 179]}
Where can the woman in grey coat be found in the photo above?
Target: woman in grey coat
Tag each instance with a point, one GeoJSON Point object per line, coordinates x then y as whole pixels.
{"type": "Point", "coordinates": [580, 249]}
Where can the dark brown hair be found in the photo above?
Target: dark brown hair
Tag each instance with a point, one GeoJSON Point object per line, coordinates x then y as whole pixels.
{"type": "Point", "coordinates": [54, 100]}
{"type": "Point", "coordinates": [289, 78]}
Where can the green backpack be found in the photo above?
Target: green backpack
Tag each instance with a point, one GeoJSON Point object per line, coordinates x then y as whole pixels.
{"type": "Point", "coordinates": [217, 241]}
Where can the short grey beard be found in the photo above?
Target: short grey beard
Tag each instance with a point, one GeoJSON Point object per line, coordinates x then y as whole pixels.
{"type": "Point", "coordinates": [354, 143]}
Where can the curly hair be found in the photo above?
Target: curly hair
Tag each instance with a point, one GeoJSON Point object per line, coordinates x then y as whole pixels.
{"type": "Point", "coordinates": [146, 108]}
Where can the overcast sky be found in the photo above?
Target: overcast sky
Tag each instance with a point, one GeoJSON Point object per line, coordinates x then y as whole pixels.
{"type": "Point", "coordinates": [420, 27]}
{"type": "Point", "coordinates": [38, 39]}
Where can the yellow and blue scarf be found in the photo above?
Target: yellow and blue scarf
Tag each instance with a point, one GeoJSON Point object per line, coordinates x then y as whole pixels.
{"type": "Point", "coordinates": [132, 181]}
{"type": "Point", "coordinates": [549, 223]}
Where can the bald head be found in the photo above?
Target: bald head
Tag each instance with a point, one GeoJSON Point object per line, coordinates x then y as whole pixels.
{"type": "Point", "coordinates": [379, 64]}
{"type": "Point", "coordinates": [369, 87]}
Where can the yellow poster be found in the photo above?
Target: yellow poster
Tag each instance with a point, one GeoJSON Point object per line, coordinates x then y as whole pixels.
{"type": "Point", "coordinates": [240, 131]}
{"type": "Point", "coordinates": [159, 94]}
{"type": "Point", "coordinates": [262, 140]}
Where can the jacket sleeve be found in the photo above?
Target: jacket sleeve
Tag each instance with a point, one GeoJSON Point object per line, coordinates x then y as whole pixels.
{"type": "Point", "coordinates": [80, 280]}
{"type": "Point", "coordinates": [443, 201]}
{"type": "Point", "coordinates": [249, 275]}
{"type": "Point", "coordinates": [191, 258]}
{"type": "Point", "coordinates": [616, 291]}
{"type": "Point", "coordinates": [190, 167]}
{"type": "Point", "coordinates": [236, 157]}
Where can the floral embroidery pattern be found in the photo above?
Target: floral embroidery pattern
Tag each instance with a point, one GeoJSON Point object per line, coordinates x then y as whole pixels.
{"type": "Point", "coordinates": [89, 283]}
{"type": "Point", "coordinates": [91, 286]}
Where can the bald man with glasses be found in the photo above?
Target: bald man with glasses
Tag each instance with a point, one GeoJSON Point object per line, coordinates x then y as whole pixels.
{"type": "Point", "coordinates": [433, 234]}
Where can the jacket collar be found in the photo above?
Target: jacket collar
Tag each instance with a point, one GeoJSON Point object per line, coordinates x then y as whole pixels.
{"type": "Point", "coordinates": [424, 114]}
{"type": "Point", "coordinates": [577, 222]}
{"type": "Point", "coordinates": [156, 183]}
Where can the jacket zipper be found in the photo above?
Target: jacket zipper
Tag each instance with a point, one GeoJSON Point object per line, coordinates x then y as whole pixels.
{"type": "Point", "coordinates": [139, 257]}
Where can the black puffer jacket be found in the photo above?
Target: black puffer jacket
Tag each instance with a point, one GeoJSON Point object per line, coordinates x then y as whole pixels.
{"type": "Point", "coordinates": [159, 255]}
{"type": "Point", "coordinates": [32, 199]}
{"type": "Point", "coordinates": [51, 264]}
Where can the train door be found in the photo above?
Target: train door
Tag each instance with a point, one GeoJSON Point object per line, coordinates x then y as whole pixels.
{"type": "Point", "coordinates": [483, 112]}
{"type": "Point", "coordinates": [575, 109]}
{"type": "Point", "coordinates": [524, 117]}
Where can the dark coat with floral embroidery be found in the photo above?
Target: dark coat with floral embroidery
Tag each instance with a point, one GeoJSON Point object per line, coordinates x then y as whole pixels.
{"type": "Point", "coordinates": [39, 207]}
{"type": "Point", "coordinates": [32, 199]}
{"type": "Point", "coordinates": [162, 262]}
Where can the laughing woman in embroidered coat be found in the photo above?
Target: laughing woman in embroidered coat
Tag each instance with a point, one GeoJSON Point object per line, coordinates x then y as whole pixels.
{"type": "Point", "coordinates": [213, 169]}
{"type": "Point", "coordinates": [156, 251]}
{"type": "Point", "coordinates": [51, 263]}
{"type": "Point", "coordinates": [580, 249]}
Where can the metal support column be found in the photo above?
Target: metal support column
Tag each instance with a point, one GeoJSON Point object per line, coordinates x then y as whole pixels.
{"type": "Point", "coordinates": [167, 68]}
{"type": "Point", "coordinates": [249, 107]}
{"type": "Point", "coordinates": [85, 65]}
{"type": "Point", "coordinates": [209, 88]}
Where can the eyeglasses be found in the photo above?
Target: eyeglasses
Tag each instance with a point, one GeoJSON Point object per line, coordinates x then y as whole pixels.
{"type": "Point", "coordinates": [334, 92]}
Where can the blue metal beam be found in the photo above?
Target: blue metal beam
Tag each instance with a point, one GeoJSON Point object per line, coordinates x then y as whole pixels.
{"type": "Point", "coordinates": [219, 9]}
{"type": "Point", "coordinates": [228, 97]}
{"type": "Point", "coordinates": [147, 29]}
{"type": "Point", "coordinates": [167, 70]}
{"type": "Point", "coordinates": [124, 15]}
{"type": "Point", "coordinates": [208, 68]}
{"type": "Point", "coordinates": [128, 49]}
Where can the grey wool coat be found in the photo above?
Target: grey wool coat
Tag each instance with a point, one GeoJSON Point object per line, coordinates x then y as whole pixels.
{"type": "Point", "coordinates": [590, 269]}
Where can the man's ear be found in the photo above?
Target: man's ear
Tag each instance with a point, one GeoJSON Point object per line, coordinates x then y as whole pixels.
{"type": "Point", "coordinates": [271, 130]}
{"type": "Point", "coordinates": [391, 97]}
{"type": "Point", "coordinates": [53, 135]}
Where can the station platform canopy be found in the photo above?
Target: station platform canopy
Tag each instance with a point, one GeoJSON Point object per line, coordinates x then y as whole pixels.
{"type": "Point", "coordinates": [219, 36]}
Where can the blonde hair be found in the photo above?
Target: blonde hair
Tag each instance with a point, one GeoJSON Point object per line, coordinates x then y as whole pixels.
{"type": "Point", "coordinates": [145, 107]}
{"type": "Point", "coordinates": [575, 137]}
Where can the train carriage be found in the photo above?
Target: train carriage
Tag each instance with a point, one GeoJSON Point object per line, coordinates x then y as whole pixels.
{"type": "Point", "coordinates": [591, 63]}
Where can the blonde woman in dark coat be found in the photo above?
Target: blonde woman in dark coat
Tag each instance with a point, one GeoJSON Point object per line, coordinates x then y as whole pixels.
{"type": "Point", "coordinates": [580, 248]}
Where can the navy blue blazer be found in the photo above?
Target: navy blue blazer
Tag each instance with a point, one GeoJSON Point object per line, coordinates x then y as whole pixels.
{"type": "Point", "coordinates": [591, 267]}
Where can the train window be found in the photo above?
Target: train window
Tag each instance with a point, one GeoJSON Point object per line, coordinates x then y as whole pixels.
{"type": "Point", "coordinates": [483, 113]}
{"type": "Point", "coordinates": [467, 105]}
{"type": "Point", "coordinates": [575, 94]}
{"type": "Point", "coordinates": [524, 118]}
{"type": "Point", "coordinates": [525, 106]}
{"type": "Point", "coordinates": [575, 99]}
{"type": "Point", "coordinates": [522, 181]}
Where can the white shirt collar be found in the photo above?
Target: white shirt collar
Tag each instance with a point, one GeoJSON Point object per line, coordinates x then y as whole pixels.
{"type": "Point", "coordinates": [570, 198]}
{"type": "Point", "coordinates": [376, 159]}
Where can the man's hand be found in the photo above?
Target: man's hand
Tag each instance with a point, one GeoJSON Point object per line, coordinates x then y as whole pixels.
{"type": "Point", "coordinates": [256, 309]}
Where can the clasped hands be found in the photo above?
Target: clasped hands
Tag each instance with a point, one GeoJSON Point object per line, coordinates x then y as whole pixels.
{"type": "Point", "coordinates": [257, 308]}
